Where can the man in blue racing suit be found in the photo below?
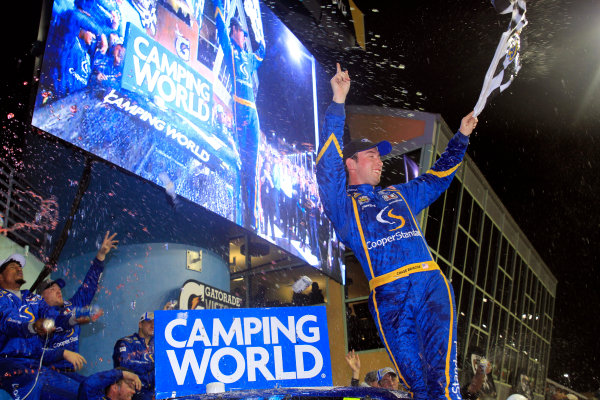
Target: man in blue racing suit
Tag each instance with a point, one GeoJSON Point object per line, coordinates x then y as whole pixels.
{"type": "Point", "coordinates": [136, 353]}
{"type": "Point", "coordinates": [411, 301]}
{"type": "Point", "coordinates": [50, 290]}
{"type": "Point", "coordinates": [242, 65]}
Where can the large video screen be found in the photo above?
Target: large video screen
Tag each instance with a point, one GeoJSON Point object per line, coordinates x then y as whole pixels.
{"type": "Point", "coordinates": [215, 100]}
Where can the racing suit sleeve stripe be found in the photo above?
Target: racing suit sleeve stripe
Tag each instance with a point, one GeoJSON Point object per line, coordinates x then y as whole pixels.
{"type": "Point", "coordinates": [450, 340]}
{"type": "Point", "coordinates": [406, 385]}
{"type": "Point", "coordinates": [219, 13]}
{"type": "Point", "coordinates": [331, 139]}
{"type": "Point", "coordinates": [443, 174]}
{"type": "Point", "coordinates": [362, 237]}
{"type": "Point", "coordinates": [245, 102]}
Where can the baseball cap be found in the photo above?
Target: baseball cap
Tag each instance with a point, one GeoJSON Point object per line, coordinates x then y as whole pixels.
{"type": "Point", "coordinates": [358, 145]}
{"type": "Point", "coordinates": [46, 283]}
{"type": "Point", "coordinates": [147, 316]}
{"type": "Point", "coordinates": [383, 372]}
{"type": "Point", "coordinates": [16, 258]}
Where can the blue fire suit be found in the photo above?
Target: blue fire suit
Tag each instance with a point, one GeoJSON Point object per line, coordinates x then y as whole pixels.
{"type": "Point", "coordinates": [21, 349]}
{"type": "Point", "coordinates": [242, 64]}
{"type": "Point", "coordinates": [411, 301]}
{"type": "Point", "coordinates": [93, 387]}
{"type": "Point", "coordinates": [131, 352]}
{"type": "Point", "coordinates": [74, 67]}
{"type": "Point", "coordinates": [69, 339]}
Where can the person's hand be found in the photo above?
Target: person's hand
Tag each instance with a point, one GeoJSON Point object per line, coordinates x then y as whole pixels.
{"type": "Point", "coordinates": [354, 363]}
{"type": "Point", "coordinates": [468, 124]}
{"type": "Point", "coordinates": [89, 314]}
{"type": "Point", "coordinates": [487, 366]}
{"type": "Point", "coordinates": [133, 378]}
{"type": "Point", "coordinates": [107, 245]}
{"type": "Point", "coordinates": [170, 305]}
{"type": "Point", "coordinates": [74, 358]}
{"type": "Point", "coordinates": [103, 44]}
{"type": "Point", "coordinates": [40, 329]}
{"type": "Point", "coordinates": [340, 84]}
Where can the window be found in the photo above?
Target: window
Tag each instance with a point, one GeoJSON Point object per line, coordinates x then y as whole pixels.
{"type": "Point", "coordinates": [476, 222]}
{"type": "Point", "coordinates": [460, 250]}
{"type": "Point", "coordinates": [433, 225]}
{"type": "Point", "coordinates": [471, 259]}
{"type": "Point", "coordinates": [448, 225]}
{"type": "Point", "coordinates": [493, 259]}
{"type": "Point", "coordinates": [207, 43]}
{"type": "Point", "coordinates": [484, 254]}
{"type": "Point", "coordinates": [465, 209]}
{"type": "Point", "coordinates": [361, 331]}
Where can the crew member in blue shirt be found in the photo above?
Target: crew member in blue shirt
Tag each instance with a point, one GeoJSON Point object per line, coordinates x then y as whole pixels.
{"type": "Point", "coordinates": [51, 292]}
{"type": "Point", "coordinates": [136, 353]}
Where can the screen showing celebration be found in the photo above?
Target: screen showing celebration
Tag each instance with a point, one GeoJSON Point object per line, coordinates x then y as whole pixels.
{"type": "Point", "coordinates": [214, 100]}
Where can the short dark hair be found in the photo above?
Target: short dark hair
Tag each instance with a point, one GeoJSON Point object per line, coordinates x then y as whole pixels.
{"type": "Point", "coordinates": [371, 376]}
{"type": "Point", "coordinates": [118, 383]}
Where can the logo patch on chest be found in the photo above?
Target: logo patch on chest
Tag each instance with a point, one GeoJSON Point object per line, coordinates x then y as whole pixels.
{"type": "Point", "coordinates": [362, 199]}
{"type": "Point", "coordinates": [389, 196]}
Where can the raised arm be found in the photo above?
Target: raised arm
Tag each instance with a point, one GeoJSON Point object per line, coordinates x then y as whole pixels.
{"type": "Point", "coordinates": [331, 174]}
{"type": "Point", "coordinates": [426, 188]}
{"type": "Point", "coordinates": [87, 290]}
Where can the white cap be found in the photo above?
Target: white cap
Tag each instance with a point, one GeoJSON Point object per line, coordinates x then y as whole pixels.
{"type": "Point", "coordinates": [15, 257]}
{"type": "Point", "coordinates": [147, 316]}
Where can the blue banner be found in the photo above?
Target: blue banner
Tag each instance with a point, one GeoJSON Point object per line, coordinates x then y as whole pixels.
{"type": "Point", "coordinates": [152, 70]}
{"type": "Point", "coordinates": [247, 348]}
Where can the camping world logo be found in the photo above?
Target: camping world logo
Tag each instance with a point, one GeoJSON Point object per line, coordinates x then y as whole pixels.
{"type": "Point", "coordinates": [387, 216]}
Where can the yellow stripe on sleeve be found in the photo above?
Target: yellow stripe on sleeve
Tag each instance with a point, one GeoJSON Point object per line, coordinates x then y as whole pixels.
{"type": "Point", "coordinates": [443, 174]}
{"type": "Point", "coordinates": [331, 139]}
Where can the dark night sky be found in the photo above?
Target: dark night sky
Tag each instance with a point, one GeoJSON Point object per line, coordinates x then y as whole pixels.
{"type": "Point", "coordinates": [537, 143]}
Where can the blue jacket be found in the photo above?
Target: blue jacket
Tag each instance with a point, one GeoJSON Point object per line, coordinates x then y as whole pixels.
{"type": "Point", "coordinates": [74, 67]}
{"type": "Point", "coordinates": [92, 387]}
{"type": "Point", "coordinates": [68, 339]}
{"type": "Point", "coordinates": [380, 224]}
{"type": "Point", "coordinates": [17, 316]}
{"type": "Point", "coordinates": [132, 353]}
